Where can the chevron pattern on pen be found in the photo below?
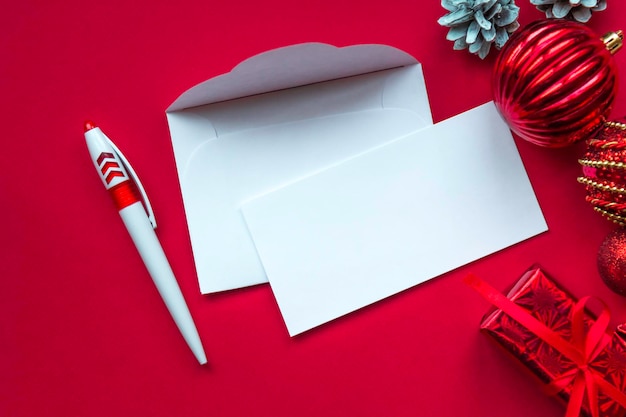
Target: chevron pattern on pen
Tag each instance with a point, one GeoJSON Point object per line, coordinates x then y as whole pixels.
{"type": "Point", "coordinates": [110, 168]}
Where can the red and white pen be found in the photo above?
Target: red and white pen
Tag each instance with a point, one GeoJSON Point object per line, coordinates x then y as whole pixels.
{"type": "Point", "coordinates": [120, 180]}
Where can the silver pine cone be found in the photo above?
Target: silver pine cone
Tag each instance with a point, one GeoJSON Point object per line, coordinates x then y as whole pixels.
{"type": "Point", "coordinates": [579, 10]}
{"type": "Point", "coordinates": [477, 24]}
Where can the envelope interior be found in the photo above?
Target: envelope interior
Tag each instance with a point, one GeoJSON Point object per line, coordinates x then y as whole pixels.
{"type": "Point", "coordinates": [230, 152]}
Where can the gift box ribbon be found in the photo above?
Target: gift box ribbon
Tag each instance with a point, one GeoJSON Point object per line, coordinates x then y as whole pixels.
{"type": "Point", "coordinates": [583, 348]}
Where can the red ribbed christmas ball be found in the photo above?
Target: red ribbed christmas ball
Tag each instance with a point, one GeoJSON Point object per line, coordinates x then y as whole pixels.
{"type": "Point", "coordinates": [555, 81]}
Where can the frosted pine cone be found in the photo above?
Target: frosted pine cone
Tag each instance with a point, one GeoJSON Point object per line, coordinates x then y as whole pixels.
{"type": "Point", "coordinates": [477, 24]}
{"type": "Point", "coordinates": [579, 10]}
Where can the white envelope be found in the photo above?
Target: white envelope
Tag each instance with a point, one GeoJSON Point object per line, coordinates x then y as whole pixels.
{"type": "Point", "coordinates": [393, 217]}
{"type": "Point", "coordinates": [274, 119]}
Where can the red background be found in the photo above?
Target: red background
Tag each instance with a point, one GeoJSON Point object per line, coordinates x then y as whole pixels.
{"type": "Point", "coordinates": [83, 331]}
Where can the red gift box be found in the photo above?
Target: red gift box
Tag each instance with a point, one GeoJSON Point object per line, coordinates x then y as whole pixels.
{"type": "Point", "coordinates": [559, 340]}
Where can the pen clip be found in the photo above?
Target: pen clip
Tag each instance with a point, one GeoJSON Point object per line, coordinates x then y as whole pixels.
{"type": "Point", "coordinates": [135, 178]}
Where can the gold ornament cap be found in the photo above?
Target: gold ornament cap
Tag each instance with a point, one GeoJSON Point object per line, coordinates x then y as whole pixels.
{"type": "Point", "coordinates": [613, 41]}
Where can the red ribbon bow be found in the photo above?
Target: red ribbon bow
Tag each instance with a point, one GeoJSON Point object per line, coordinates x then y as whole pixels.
{"type": "Point", "coordinates": [582, 350]}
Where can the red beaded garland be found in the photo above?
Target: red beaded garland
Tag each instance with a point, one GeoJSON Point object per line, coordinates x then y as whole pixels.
{"type": "Point", "coordinates": [604, 172]}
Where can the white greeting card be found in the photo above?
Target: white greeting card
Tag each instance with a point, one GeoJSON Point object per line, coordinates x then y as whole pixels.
{"type": "Point", "coordinates": [393, 217]}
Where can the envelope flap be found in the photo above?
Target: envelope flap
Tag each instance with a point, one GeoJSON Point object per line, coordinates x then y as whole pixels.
{"type": "Point", "coordinates": [292, 66]}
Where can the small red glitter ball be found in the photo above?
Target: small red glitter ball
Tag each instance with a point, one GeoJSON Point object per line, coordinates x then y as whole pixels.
{"type": "Point", "coordinates": [612, 261]}
{"type": "Point", "coordinates": [604, 172]}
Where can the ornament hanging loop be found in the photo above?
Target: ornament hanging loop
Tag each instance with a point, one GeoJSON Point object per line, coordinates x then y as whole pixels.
{"type": "Point", "coordinates": [613, 41]}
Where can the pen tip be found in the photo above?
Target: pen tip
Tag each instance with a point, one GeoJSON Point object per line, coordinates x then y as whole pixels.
{"type": "Point", "coordinates": [89, 125]}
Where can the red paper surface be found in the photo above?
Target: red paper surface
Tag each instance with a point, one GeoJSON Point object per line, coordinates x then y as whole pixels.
{"type": "Point", "coordinates": [83, 331]}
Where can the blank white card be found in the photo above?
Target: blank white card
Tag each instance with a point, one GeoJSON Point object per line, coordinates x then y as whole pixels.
{"type": "Point", "coordinates": [393, 217]}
